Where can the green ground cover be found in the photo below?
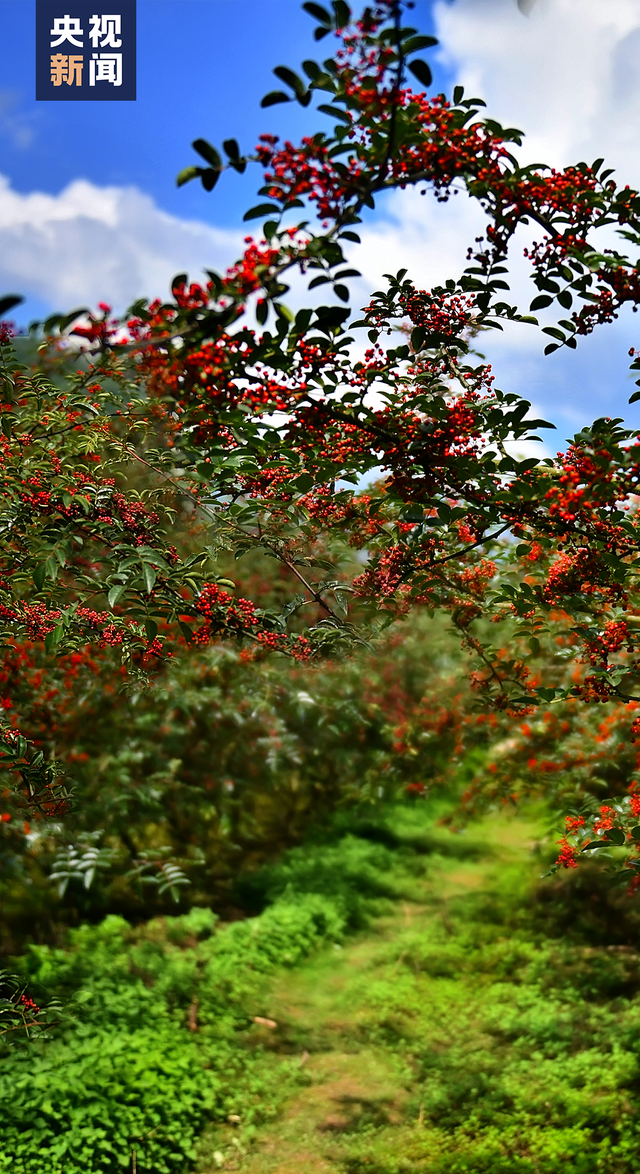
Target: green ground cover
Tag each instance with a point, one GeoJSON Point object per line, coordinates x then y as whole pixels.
{"type": "Point", "coordinates": [424, 1003]}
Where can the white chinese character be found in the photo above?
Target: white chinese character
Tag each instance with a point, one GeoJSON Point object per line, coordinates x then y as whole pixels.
{"type": "Point", "coordinates": [66, 28]}
{"type": "Point", "coordinates": [107, 27]}
{"type": "Point", "coordinates": [105, 68]}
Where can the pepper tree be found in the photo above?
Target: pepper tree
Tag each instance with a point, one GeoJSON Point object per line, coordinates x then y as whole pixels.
{"type": "Point", "coordinates": [140, 452]}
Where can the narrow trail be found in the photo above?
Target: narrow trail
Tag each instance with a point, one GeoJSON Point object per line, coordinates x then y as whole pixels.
{"type": "Point", "coordinates": [480, 1020]}
{"type": "Point", "coordinates": [353, 1023]}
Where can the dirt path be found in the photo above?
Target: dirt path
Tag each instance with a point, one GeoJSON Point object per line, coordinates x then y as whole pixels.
{"type": "Point", "coordinates": [347, 1024]}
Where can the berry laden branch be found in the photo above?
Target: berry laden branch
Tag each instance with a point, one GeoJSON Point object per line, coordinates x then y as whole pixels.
{"type": "Point", "coordinates": [145, 452]}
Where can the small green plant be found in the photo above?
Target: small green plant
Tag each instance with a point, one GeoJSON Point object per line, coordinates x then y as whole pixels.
{"type": "Point", "coordinates": [20, 1016]}
{"type": "Point", "coordinates": [160, 1034]}
{"type": "Point", "coordinates": [505, 1018]}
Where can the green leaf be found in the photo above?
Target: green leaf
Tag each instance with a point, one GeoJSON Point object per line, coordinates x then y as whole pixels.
{"type": "Point", "coordinates": [232, 149]}
{"type": "Point", "coordinates": [8, 302]}
{"type": "Point", "coordinates": [421, 71]}
{"type": "Point", "coordinates": [209, 178]}
{"type": "Point", "coordinates": [151, 628]}
{"type": "Point", "coordinates": [52, 639]}
{"type": "Point", "coordinates": [312, 70]}
{"type": "Point", "coordinates": [318, 13]}
{"type": "Point", "coordinates": [341, 292]}
{"type": "Point", "coordinates": [304, 482]}
{"type": "Point", "coordinates": [458, 95]}
{"type": "Point", "coordinates": [635, 832]}
{"type": "Point", "coordinates": [336, 112]}
{"type": "Point", "coordinates": [186, 631]}
{"type": "Point", "coordinates": [414, 44]}
{"type": "Point", "coordinates": [418, 335]}
{"type": "Point", "coordinates": [617, 836]}
{"type": "Point", "coordinates": [286, 75]}
{"type": "Point", "coordinates": [149, 576]}
{"type": "Point", "coordinates": [343, 13]}
{"type": "Point", "coordinates": [261, 210]}
{"type": "Point", "coordinates": [303, 318]}
{"type": "Point", "coordinates": [208, 153]}
{"type": "Point", "coordinates": [39, 575]}
{"type": "Point", "coordinates": [51, 322]}
{"type": "Point", "coordinates": [116, 594]}
{"type": "Point", "coordinates": [236, 160]}
{"type": "Point", "coordinates": [187, 174]}
{"type": "Point", "coordinates": [540, 302]}
{"type": "Point", "coordinates": [67, 319]}
{"type": "Point", "coordinates": [273, 97]}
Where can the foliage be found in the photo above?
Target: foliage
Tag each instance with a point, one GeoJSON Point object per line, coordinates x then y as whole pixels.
{"type": "Point", "coordinates": [532, 1070]}
{"type": "Point", "coordinates": [473, 1032]}
{"type": "Point", "coordinates": [160, 1029]}
{"type": "Point", "coordinates": [221, 765]}
{"type": "Point", "coordinates": [207, 507]}
{"type": "Point", "coordinates": [139, 456]}
{"type": "Point", "coordinates": [20, 1014]}
{"type": "Point", "coordinates": [183, 1024]}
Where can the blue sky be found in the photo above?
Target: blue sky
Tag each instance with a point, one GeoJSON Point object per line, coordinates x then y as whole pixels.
{"type": "Point", "coordinates": [203, 66]}
{"type": "Point", "coordinates": [89, 208]}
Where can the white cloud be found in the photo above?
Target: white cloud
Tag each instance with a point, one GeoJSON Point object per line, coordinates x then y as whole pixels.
{"type": "Point", "coordinates": [428, 239]}
{"type": "Point", "coordinates": [91, 244]}
{"type": "Point", "coordinates": [567, 75]}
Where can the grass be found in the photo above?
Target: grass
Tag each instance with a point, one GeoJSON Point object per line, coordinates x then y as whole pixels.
{"type": "Point", "coordinates": [454, 1034]}
{"type": "Point", "coordinates": [404, 1001]}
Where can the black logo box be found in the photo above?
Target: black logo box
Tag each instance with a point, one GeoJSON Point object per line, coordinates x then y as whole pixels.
{"type": "Point", "coordinates": [63, 15]}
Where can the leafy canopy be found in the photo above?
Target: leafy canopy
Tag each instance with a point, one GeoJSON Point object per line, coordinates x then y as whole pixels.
{"type": "Point", "coordinates": [138, 455]}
